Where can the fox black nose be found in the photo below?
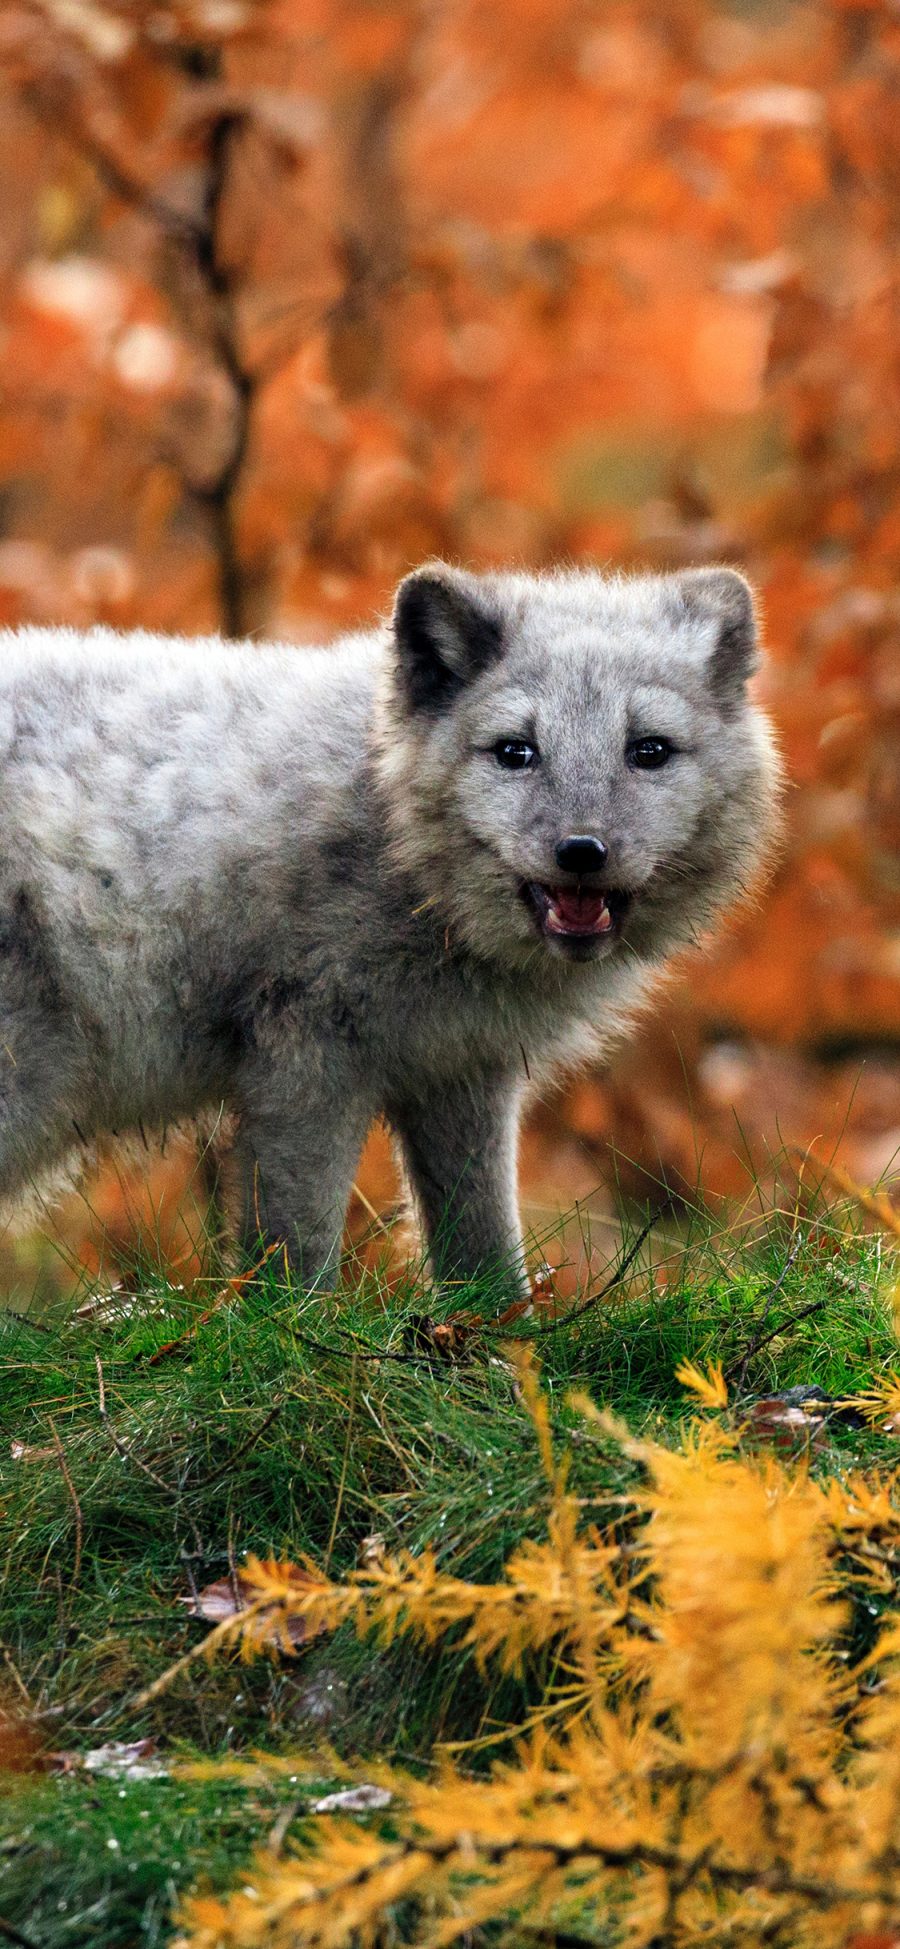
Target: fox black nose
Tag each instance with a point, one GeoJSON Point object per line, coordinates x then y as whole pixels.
{"type": "Point", "coordinates": [581, 854]}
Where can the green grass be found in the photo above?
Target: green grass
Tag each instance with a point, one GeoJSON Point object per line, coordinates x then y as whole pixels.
{"type": "Point", "coordinates": [280, 1425]}
{"type": "Point", "coordinates": [98, 1862]}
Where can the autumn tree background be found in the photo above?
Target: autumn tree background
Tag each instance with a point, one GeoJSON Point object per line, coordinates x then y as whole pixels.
{"type": "Point", "coordinates": [295, 294]}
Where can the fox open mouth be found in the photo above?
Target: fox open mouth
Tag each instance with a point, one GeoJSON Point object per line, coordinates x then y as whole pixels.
{"type": "Point", "coordinates": [579, 914]}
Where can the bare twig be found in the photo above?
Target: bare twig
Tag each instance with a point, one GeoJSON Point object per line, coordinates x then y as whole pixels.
{"type": "Point", "coordinates": [187, 1560]}
{"type": "Point", "coordinates": [233, 1572]}
{"type": "Point", "coordinates": [357, 1351]}
{"type": "Point", "coordinates": [587, 1305]}
{"type": "Point", "coordinates": [230, 1291]}
{"type": "Point", "coordinates": [121, 1447]}
{"type": "Point", "coordinates": [738, 1368]}
{"type": "Point", "coordinates": [784, 1325]}
{"type": "Point", "coordinates": [197, 239]}
{"type": "Point", "coordinates": [216, 1475]}
{"type": "Point", "coordinates": [219, 496]}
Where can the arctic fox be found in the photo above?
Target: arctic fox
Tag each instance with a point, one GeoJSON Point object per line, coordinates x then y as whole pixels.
{"type": "Point", "coordinates": [410, 874]}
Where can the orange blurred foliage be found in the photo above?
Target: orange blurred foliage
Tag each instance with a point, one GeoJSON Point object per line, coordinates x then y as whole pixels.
{"type": "Point", "coordinates": [296, 292]}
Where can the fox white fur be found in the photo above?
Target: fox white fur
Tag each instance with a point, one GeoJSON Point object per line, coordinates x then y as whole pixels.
{"type": "Point", "coordinates": [301, 882]}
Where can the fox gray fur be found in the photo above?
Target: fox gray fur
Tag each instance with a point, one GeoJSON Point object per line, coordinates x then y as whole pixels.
{"type": "Point", "coordinates": [322, 885]}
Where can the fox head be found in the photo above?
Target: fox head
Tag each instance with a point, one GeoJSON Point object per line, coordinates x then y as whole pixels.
{"type": "Point", "coordinates": [575, 767]}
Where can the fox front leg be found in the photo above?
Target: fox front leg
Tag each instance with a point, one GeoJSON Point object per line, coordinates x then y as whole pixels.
{"type": "Point", "coordinates": [459, 1149]}
{"type": "Point", "coordinates": [300, 1133]}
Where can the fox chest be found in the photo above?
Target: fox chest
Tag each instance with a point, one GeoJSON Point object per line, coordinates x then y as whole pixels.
{"type": "Point", "coordinates": [414, 1029]}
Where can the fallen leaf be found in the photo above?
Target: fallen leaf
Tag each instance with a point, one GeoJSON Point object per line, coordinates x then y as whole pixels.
{"type": "Point", "coordinates": [23, 1451]}
{"type": "Point", "coordinates": [219, 1600]}
{"type": "Point", "coordinates": [814, 1401]}
{"type": "Point", "coordinates": [228, 1596]}
{"type": "Point", "coordinates": [363, 1799]}
{"type": "Point", "coordinates": [798, 1416]}
{"type": "Point", "coordinates": [773, 1419]}
{"type": "Point", "coordinates": [114, 1761]}
{"type": "Point", "coordinates": [447, 1339]}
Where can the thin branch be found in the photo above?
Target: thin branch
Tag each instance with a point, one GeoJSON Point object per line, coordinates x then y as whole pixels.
{"type": "Point", "coordinates": [587, 1305]}
{"type": "Point", "coordinates": [231, 1290]}
{"type": "Point", "coordinates": [199, 241]}
{"type": "Point", "coordinates": [219, 496]}
{"type": "Point", "coordinates": [738, 1368]}
{"type": "Point", "coordinates": [784, 1325]}
{"type": "Point", "coordinates": [358, 1351]}
{"type": "Point", "coordinates": [216, 1475]}
{"type": "Point", "coordinates": [689, 1869]}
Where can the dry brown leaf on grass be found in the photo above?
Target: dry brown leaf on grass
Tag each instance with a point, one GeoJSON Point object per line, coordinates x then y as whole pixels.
{"type": "Point", "coordinates": [451, 1339]}
{"type": "Point", "coordinates": [785, 1423]}
{"type": "Point", "coordinates": [795, 1416]}
{"type": "Point", "coordinates": [268, 1607]}
{"type": "Point", "coordinates": [800, 1417]}
{"type": "Point", "coordinates": [229, 1596]}
{"type": "Point", "coordinates": [457, 1338]}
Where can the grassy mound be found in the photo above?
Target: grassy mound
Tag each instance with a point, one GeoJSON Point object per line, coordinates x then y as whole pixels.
{"type": "Point", "coordinates": [143, 1452]}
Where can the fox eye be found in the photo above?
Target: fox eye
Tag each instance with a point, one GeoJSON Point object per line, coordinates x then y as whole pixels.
{"type": "Point", "coordinates": [515, 754]}
{"type": "Point", "coordinates": [649, 754]}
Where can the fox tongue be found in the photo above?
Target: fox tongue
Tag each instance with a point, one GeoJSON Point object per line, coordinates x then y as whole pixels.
{"type": "Point", "coordinates": [574, 911]}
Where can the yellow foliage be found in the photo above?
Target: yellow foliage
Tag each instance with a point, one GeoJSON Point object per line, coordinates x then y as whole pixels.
{"type": "Point", "coordinates": [709, 1388]}
{"type": "Point", "coordinates": [882, 1402]}
{"type": "Point", "coordinates": [721, 1776]}
{"type": "Point", "coordinates": [540, 1596]}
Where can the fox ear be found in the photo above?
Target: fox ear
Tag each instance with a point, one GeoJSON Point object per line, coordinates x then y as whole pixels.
{"type": "Point", "coordinates": [721, 598]}
{"type": "Point", "coordinates": [446, 632]}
